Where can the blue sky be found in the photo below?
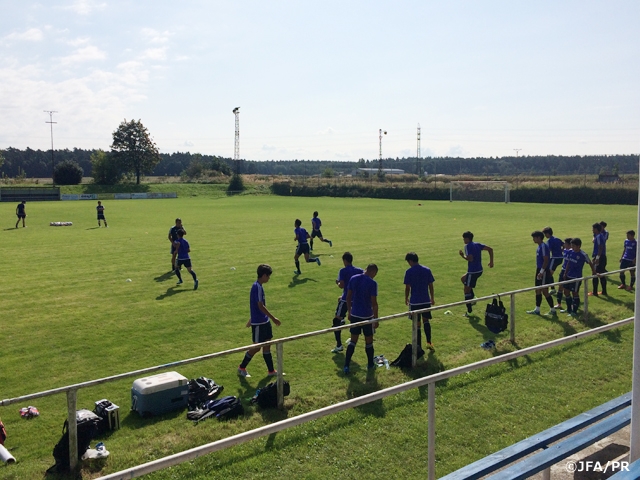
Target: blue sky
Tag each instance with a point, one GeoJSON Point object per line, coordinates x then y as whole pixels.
{"type": "Point", "coordinates": [316, 80]}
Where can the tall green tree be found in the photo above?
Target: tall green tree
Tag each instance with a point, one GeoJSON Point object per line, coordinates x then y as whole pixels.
{"type": "Point", "coordinates": [134, 150]}
{"type": "Point", "coordinates": [104, 168]}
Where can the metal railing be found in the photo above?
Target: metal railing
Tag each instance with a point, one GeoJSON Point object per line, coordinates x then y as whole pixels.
{"type": "Point", "coordinates": [72, 390]}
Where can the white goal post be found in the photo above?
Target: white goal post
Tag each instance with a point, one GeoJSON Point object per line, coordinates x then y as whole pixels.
{"type": "Point", "coordinates": [479, 191]}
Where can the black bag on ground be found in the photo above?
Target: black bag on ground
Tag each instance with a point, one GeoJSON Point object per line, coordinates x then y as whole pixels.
{"type": "Point", "coordinates": [87, 422]}
{"type": "Point", "coordinates": [201, 390]}
{"type": "Point", "coordinates": [267, 396]}
{"type": "Point", "coordinates": [495, 317]}
{"type": "Point", "coordinates": [224, 408]}
{"type": "Point", "coordinates": [404, 359]}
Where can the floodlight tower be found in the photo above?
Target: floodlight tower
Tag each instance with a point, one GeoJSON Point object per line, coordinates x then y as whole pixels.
{"type": "Point", "coordinates": [236, 149]}
{"type": "Point", "coordinates": [517, 150]}
{"type": "Point", "coordinates": [51, 122]}
{"type": "Point", "coordinates": [418, 166]}
{"type": "Point", "coordinates": [381, 132]}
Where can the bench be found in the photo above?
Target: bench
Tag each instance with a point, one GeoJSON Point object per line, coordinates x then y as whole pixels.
{"type": "Point", "coordinates": [633, 473]}
{"type": "Point", "coordinates": [542, 440]}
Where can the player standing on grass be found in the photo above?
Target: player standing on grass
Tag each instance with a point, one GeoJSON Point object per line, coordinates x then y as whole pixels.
{"type": "Point", "coordinates": [565, 251]}
{"type": "Point", "coordinates": [473, 255]}
{"type": "Point", "coordinates": [100, 210]}
{"type": "Point", "coordinates": [259, 323]}
{"type": "Point", "coordinates": [543, 274]}
{"type": "Point", "coordinates": [183, 249]}
{"type": "Point", "coordinates": [555, 247]}
{"type": "Point", "coordinates": [576, 259]}
{"type": "Point", "coordinates": [344, 275]}
{"type": "Point", "coordinates": [628, 259]}
{"type": "Point", "coordinates": [21, 213]}
{"type": "Point", "coordinates": [302, 237]}
{"type": "Point", "coordinates": [173, 237]}
{"type": "Point", "coordinates": [418, 282]}
{"type": "Point", "coordinates": [362, 305]}
{"type": "Point", "coordinates": [599, 259]}
{"type": "Point", "coordinates": [315, 230]}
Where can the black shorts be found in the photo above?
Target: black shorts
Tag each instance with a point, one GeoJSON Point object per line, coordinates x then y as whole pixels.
{"type": "Point", "coordinates": [554, 263]}
{"type": "Point", "coordinates": [173, 249]}
{"type": "Point", "coordinates": [602, 264]}
{"type": "Point", "coordinates": [426, 316]}
{"type": "Point", "coordinates": [21, 215]}
{"type": "Point", "coordinates": [626, 264]}
{"type": "Point", "coordinates": [302, 249]}
{"type": "Point", "coordinates": [341, 310]}
{"type": "Point", "coordinates": [366, 330]}
{"type": "Point", "coordinates": [574, 286]}
{"type": "Point", "coordinates": [316, 233]}
{"type": "Point", "coordinates": [261, 332]}
{"type": "Point", "coordinates": [472, 278]}
{"type": "Point", "coordinates": [546, 279]}
{"type": "Point", "coordinates": [101, 216]}
{"type": "Point", "coordinates": [186, 262]}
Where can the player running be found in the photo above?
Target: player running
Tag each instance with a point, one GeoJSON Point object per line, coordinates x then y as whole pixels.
{"type": "Point", "coordinates": [473, 255]}
{"type": "Point", "coordinates": [183, 249]}
{"type": "Point", "coordinates": [302, 237]}
{"type": "Point", "coordinates": [315, 230]}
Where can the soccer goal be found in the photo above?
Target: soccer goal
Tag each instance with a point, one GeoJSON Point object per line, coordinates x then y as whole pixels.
{"type": "Point", "coordinates": [479, 191]}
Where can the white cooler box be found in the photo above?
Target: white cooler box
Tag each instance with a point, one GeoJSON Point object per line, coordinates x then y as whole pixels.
{"type": "Point", "coordinates": [159, 394]}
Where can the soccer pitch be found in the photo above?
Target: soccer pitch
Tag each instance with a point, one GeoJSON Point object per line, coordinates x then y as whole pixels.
{"type": "Point", "coordinates": [70, 315]}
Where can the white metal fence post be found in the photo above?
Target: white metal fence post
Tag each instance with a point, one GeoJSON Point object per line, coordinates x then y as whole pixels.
{"type": "Point", "coordinates": [415, 325]}
{"type": "Point", "coordinates": [72, 396]}
{"type": "Point", "coordinates": [280, 379]}
{"type": "Point", "coordinates": [431, 435]}
{"type": "Point", "coordinates": [512, 328]}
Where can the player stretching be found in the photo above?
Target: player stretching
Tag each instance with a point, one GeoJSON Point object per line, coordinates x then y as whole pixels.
{"type": "Point", "coordinates": [182, 249]}
{"type": "Point", "coordinates": [21, 213]}
{"type": "Point", "coordinates": [362, 304]}
{"type": "Point", "coordinates": [628, 259]}
{"type": "Point", "coordinates": [555, 246]}
{"type": "Point", "coordinates": [418, 281]}
{"type": "Point", "coordinates": [302, 237]}
{"type": "Point", "coordinates": [315, 230]}
{"type": "Point", "coordinates": [576, 259]}
{"type": "Point", "coordinates": [599, 259]}
{"type": "Point", "coordinates": [344, 275]}
{"type": "Point", "coordinates": [100, 210]}
{"type": "Point", "coordinates": [473, 255]}
{"type": "Point", "coordinates": [543, 274]}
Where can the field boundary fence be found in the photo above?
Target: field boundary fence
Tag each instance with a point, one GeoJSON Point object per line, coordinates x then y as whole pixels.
{"type": "Point", "coordinates": [71, 391]}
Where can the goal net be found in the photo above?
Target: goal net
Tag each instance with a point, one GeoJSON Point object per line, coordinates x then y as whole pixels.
{"type": "Point", "coordinates": [479, 191]}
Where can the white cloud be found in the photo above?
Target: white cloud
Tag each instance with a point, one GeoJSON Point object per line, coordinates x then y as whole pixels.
{"type": "Point", "coordinates": [154, 53]}
{"type": "Point", "coordinates": [78, 41]}
{"type": "Point", "coordinates": [326, 131]}
{"type": "Point", "coordinates": [31, 35]}
{"type": "Point", "coordinates": [154, 36]}
{"type": "Point", "coordinates": [85, 54]}
{"type": "Point", "coordinates": [187, 143]}
{"type": "Point", "coordinates": [85, 7]}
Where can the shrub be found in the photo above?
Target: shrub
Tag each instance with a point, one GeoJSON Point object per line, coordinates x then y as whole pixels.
{"type": "Point", "coordinates": [104, 168]}
{"type": "Point", "coordinates": [236, 184]}
{"type": "Point", "coordinates": [67, 173]}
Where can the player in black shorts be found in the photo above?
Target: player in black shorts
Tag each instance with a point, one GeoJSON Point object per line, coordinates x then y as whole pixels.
{"type": "Point", "coordinates": [173, 237]}
{"type": "Point", "coordinates": [315, 231]}
{"type": "Point", "coordinates": [21, 213]}
{"type": "Point", "coordinates": [100, 210]}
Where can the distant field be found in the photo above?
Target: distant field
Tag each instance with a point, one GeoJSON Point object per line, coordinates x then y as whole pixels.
{"type": "Point", "coordinates": [69, 315]}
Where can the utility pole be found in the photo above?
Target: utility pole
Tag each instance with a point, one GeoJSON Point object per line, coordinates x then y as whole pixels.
{"type": "Point", "coordinates": [517, 150]}
{"type": "Point", "coordinates": [236, 149]}
{"type": "Point", "coordinates": [418, 166]}
{"type": "Point", "coordinates": [381, 132]}
{"type": "Point", "coordinates": [51, 122]}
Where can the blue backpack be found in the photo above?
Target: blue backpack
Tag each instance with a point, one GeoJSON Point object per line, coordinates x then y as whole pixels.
{"type": "Point", "coordinates": [223, 408]}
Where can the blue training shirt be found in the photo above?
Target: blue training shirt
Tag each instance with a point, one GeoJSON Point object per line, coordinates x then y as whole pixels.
{"type": "Point", "coordinates": [630, 250]}
{"type": "Point", "coordinates": [475, 250]}
{"type": "Point", "coordinates": [541, 252]}
{"type": "Point", "coordinates": [363, 288]}
{"type": "Point", "coordinates": [565, 252]}
{"type": "Point", "coordinates": [419, 277]}
{"type": "Point", "coordinates": [257, 295]}
{"type": "Point", "coordinates": [555, 245]}
{"type": "Point", "coordinates": [598, 240]}
{"type": "Point", "coordinates": [183, 249]}
{"type": "Point", "coordinates": [575, 263]}
{"type": "Point", "coordinates": [301, 233]}
{"type": "Point", "coordinates": [315, 221]}
{"type": "Point", "coordinates": [345, 275]}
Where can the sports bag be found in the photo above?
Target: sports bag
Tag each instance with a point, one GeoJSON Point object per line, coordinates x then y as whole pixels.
{"type": "Point", "coordinates": [404, 359]}
{"type": "Point", "coordinates": [87, 422]}
{"type": "Point", "coordinates": [267, 397]}
{"type": "Point", "coordinates": [224, 408]}
{"type": "Point", "coordinates": [201, 390]}
{"type": "Point", "coordinates": [495, 317]}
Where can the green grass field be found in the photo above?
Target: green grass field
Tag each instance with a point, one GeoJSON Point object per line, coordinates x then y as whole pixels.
{"type": "Point", "coordinates": [69, 315]}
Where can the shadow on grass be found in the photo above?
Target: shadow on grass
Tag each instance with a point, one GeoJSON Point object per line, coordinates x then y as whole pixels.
{"type": "Point", "coordinates": [295, 281]}
{"type": "Point", "coordinates": [170, 292]}
{"type": "Point", "coordinates": [92, 228]}
{"type": "Point", "coordinates": [476, 322]}
{"type": "Point", "coordinates": [12, 228]}
{"type": "Point", "coordinates": [164, 277]}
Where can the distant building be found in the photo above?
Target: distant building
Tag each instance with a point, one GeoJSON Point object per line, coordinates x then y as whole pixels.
{"type": "Point", "coordinates": [386, 171]}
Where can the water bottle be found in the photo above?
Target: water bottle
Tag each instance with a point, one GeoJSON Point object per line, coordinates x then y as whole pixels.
{"type": "Point", "coordinates": [386, 363]}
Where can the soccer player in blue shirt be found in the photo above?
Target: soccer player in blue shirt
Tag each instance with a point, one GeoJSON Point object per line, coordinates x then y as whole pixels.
{"type": "Point", "coordinates": [473, 255]}
{"type": "Point", "coordinates": [543, 274]}
{"type": "Point", "coordinates": [566, 249]}
{"type": "Point", "coordinates": [555, 247]}
{"type": "Point", "coordinates": [362, 304]}
{"type": "Point", "coordinates": [418, 293]}
{"type": "Point", "coordinates": [173, 237]}
{"type": "Point", "coordinates": [344, 275]}
{"type": "Point", "coordinates": [599, 259]}
{"type": "Point", "coordinates": [21, 213]}
{"type": "Point", "coordinates": [315, 230]}
{"type": "Point", "coordinates": [183, 249]}
{"type": "Point", "coordinates": [302, 237]}
{"type": "Point", "coordinates": [628, 259]}
{"type": "Point", "coordinates": [576, 259]}
{"type": "Point", "coordinates": [259, 323]}
{"type": "Point", "coordinates": [100, 211]}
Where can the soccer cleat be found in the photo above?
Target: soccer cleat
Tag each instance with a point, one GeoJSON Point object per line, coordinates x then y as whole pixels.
{"type": "Point", "coordinates": [431, 347]}
{"type": "Point", "coordinates": [488, 345]}
{"type": "Point", "coordinates": [297, 272]}
{"type": "Point", "coordinates": [330, 243]}
{"type": "Point", "coordinates": [628, 288]}
{"type": "Point", "coordinates": [273, 373]}
{"type": "Point", "coordinates": [622, 286]}
{"type": "Point", "coordinates": [593, 294]}
{"type": "Point", "coordinates": [242, 372]}
{"type": "Point", "coordinates": [346, 370]}
{"type": "Point", "coordinates": [195, 285]}
{"type": "Point", "coordinates": [565, 311]}
{"type": "Point", "coordinates": [371, 366]}
{"type": "Point", "coordinates": [338, 349]}
{"type": "Point", "coordinates": [179, 283]}
{"type": "Point", "coordinates": [533, 312]}
{"type": "Point", "coordinates": [558, 306]}
{"type": "Point", "coordinates": [551, 313]}
{"type": "Point", "coordinates": [318, 261]}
